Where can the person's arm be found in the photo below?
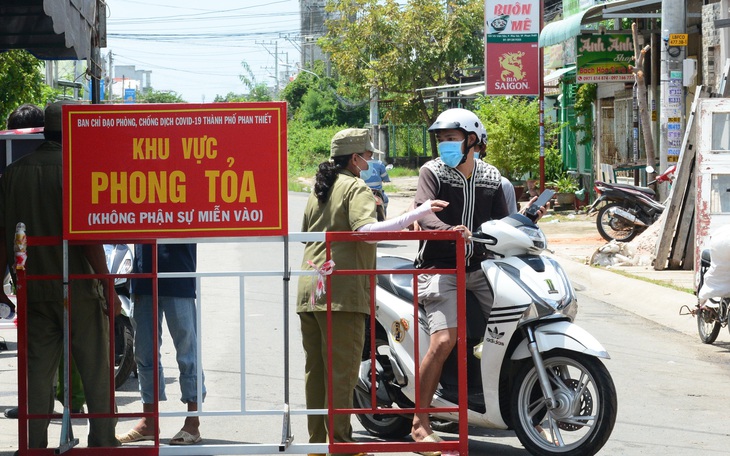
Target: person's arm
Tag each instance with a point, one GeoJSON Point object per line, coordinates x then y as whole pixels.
{"type": "Point", "coordinates": [399, 223]}
{"type": "Point", "coordinates": [426, 190]}
{"type": "Point", "coordinates": [4, 264]}
{"type": "Point", "coordinates": [384, 175]}
{"type": "Point", "coordinates": [94, 254]}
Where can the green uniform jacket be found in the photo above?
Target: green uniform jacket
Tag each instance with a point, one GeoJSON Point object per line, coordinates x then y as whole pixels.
{"type": "Point", "coordinates": [350, 206]}
{"type": "Point", "coordinates": [31, 191]}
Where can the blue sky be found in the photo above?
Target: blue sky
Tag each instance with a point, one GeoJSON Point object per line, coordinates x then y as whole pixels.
{"type": "Point", "coordinates": [196, 47]}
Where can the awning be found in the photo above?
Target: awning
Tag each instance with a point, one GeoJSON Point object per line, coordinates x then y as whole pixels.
{"type": "Point", "coordinates": [549, 81]}
{"type": "Point", "coordinates": [452, 87]}
{"type": "Point", "coordinates": [552, 79]}
{"type": "Point", "coordinates": [52, 29]}
{"type": "Point", "coordinates": [559, 31]}
{"type": "Point", "coordinates": [474, 90]}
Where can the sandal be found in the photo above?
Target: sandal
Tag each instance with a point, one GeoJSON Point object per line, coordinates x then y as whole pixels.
{"type": "Point", "coordinates": [133, 436]}
{"type": "Point", "coordinates": [430, 438]}
{"type": "Point", "coordinates": [185, 438]}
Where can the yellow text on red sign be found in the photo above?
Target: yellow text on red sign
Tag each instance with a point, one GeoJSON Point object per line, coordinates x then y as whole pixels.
{"type": "Point", "coordinates": [159, 171]}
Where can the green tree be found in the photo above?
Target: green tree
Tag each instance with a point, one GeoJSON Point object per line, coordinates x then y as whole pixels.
{"type": "Point", "coordinates": [21, 81]}
{"type": "Point", "coordinates": [257, 91]}
{"type": "Point", "coordinates": [231, 97]}
{"type": "Point", "coordinates": [401, 48]}
{"type": "Point", "coordinates": [513, 132]}
{"type": "Point", "coordinates": [324, 101]}
{"type": "Point", "coordinates": [159, 96]}
{"type": "Point", "coordinates": [295, 91]}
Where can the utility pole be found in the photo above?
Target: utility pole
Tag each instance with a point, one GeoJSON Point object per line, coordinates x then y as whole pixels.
{"type": "Point", "coordinates": [111, 80]}
{"type": "Point", "coordinates": [276, 69]}
{"type": "Point", "coordinates": [274, 54]}
{"type": "Point", "coordinates": [671, 123]}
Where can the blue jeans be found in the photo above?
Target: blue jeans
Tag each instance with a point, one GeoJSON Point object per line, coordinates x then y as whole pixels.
{"type": "Point", "coordinates": [182, 324]}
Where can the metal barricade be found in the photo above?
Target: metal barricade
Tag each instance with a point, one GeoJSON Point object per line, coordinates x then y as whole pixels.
{"type": "Point", "coordinates": [285, 411]}
{"type": "Point", "coordinates": [462, 444]}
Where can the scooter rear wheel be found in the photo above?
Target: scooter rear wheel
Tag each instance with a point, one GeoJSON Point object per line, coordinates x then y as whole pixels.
{"type": "Point", "coordinates": [708, 324]}
{"type": "Point", "coordinates": [124, 363]}
{"type": "Point", "coordinates": [612, 228]}
{"type": "Point", "coordinates": [385, 425]}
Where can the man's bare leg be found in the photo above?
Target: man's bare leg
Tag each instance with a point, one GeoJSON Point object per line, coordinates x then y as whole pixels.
{"type": "Point", "coordinates": [146, 426]}
{"type": "Point", "coordinates": [440, 346]}
{"type": "Point", "coordinates": [192, 423]}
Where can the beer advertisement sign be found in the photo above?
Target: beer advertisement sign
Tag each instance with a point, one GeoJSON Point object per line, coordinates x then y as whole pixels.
{"type": "Point", "coordinates": [511, 48]}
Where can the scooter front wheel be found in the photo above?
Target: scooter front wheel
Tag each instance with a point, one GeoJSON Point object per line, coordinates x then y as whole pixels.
{"type": "Point", "coordinates": [611, 227]}
{"type": "Point", "coordinates": [583, 418]}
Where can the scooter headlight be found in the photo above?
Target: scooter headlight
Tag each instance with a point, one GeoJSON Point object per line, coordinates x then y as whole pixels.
{"type": "Point", "coordinates": [539, 241]}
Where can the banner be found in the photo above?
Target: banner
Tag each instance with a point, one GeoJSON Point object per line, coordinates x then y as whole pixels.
{"type": "Point", "coordinates": [174, 170]}
{"type": "Point", "coordinates": [511, 53]}
{"type": "Point", "coordinates": [604, 58]}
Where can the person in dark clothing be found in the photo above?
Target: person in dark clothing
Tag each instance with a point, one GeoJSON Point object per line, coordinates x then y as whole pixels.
{"type": "Point", "coordinates": [474, 191]}
{"type": "Point", "coordinates": [31, 192]}
{"type": "Point", "coordinates": [25, 116]}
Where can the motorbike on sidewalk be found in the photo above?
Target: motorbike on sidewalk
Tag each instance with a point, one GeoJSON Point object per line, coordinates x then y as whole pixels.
{"type": "Point", "coordinates": [532, 369]}
{"type": "Point", "coordinates": [119, 260]}
{"type": "Point", "coordinates": [627, 210]}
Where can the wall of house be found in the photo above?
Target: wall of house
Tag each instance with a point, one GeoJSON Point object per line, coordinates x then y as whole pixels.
{"type": "Point", "coordinates": [711, 63]}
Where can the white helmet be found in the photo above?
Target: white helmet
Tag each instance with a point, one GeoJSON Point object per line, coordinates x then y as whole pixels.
{"type": "Point", "coordinates": [461, 119]}
{"type": "Point", "coordinates": [482, 133]}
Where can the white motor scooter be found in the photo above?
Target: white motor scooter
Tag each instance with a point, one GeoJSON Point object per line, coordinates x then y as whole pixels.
{"type": "Point", "coordinates": [530, 368]}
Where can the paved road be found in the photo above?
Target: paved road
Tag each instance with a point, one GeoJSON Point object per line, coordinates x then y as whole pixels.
{"type": "Point", "coordinates": [672, 389]}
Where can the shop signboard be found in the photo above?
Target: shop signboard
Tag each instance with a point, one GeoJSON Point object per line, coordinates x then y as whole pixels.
{"type": "Point", "coordinates": [174, 170]}
{"type": "Point", "coordinates": [604, 58]}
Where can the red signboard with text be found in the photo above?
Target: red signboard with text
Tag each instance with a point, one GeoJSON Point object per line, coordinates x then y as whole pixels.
{"type": "Point", "coordinates": [511, 52]}
{"type": "Point", "coordinates": [174, 170]}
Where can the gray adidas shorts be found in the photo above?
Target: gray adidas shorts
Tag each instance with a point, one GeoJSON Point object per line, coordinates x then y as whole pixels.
{"type": "Point", "coordinates": [437, 293]}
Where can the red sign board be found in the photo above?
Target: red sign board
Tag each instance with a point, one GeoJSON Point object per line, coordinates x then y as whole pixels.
{"type": "Point", "coordinates": [512, 69]}
{"type": "Point", "coordinates": [174, 170]}
{"type": "Point", "coordinates": [511, 52]}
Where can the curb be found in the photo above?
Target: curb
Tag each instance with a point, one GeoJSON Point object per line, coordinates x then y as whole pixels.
{"type": "Point", "coordinates": [647, 300]}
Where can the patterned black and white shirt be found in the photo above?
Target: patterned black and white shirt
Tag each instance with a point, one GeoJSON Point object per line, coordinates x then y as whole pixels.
{"type": "Point", "coordinates": [473, 200]}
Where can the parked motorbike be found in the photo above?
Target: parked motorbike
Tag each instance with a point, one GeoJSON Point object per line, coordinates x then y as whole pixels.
{"type": "Point", "coordinates": [532, 369]}
{"type": "Point", "coordinates": [119, 260]}
{"type": "Point", "coordinates": [627, 210]}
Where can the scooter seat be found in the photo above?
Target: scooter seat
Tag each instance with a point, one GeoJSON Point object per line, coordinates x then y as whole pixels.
{"type": "Point", "coordinates": [705, 258]}
{"type": "Point", "coordinates": [645, 190]}
{"type": "Point", "coordinates": [400, 285]}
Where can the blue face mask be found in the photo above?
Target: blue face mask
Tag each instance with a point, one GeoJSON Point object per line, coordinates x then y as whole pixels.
{"type": "Point", "coordinates": [366, 173]}
{"type": "Point", "coordinates": [450, 152]}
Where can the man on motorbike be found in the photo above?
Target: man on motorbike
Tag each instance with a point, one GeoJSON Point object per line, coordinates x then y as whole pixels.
{"type": "Point", "coordinates": [473, 189]}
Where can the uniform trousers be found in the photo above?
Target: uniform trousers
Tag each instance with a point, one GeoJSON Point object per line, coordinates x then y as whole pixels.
{"type": "Point", "coordinates": [90, 350]}
{"type": "Point", "coordinates": [348, 338]}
